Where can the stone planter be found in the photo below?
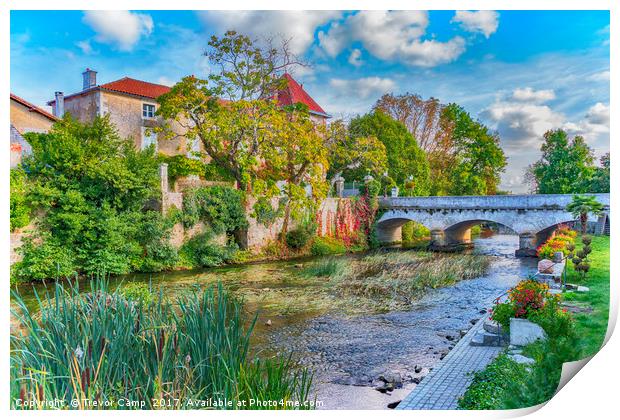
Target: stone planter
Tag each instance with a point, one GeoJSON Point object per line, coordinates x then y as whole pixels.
{"type": "Point", "coordinates": [524, 332]}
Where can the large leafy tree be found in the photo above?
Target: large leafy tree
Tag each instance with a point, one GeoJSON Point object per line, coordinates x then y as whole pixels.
{"type": "Point", "coordinates": [582, 206]}
{"type": "Point", "coordinates": [407, 162]}
{"type": "Point", "coordinates": [565, 167]}
{"type": "Point", "coordinates": [600, 181]}
{"type": "Point", "coordinates": [478, 159]}
{"type": "Point", "coordinates": [296, 158]}
{"type": "Point", "coordinates": [92, 187]}
{"type": "Point", "coordinates": [232, 112]}
{"type": "Point", "coordinates": [364, 155]}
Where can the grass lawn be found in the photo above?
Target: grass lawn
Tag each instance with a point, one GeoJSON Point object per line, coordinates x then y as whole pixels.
{"type": "Point", "coordinates": [504, 384]}
{"type": "Point", "coordinates": [591, 327]}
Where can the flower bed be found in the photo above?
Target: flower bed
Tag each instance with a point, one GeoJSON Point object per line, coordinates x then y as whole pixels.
{"type": "Point", "coordinates": [531, 300]}
{"type": "Point", "coordinates": [562, 240]}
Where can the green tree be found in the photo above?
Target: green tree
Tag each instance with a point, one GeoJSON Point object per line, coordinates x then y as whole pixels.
{"type": "Point", "coordinates": [93, 187]}
{"type": "Point", "coordinates": [20, 209]}
{"type": "Point", "coordinates": [565, 167]}
{"type": "Point", "coordinates": [406, 161]}
{"type": "Point", "coordinates": [600, 182]}
{"type": "Point", "coordinates": [582, 206]}
{"type": "Point", "coordinates": [233, 111]}
{"type": "Point", "coordinates": [478, 158]}
{"type": "Point", "coordinates": [364, 155]}
{"type": "Point", "coordinates": [297, 157]}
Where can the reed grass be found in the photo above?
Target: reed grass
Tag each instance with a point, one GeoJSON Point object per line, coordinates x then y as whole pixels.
{"type": "Point", "coordinates": [104, 348]}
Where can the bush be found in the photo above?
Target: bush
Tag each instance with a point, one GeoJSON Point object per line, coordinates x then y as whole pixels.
{"type": "Point", "coordinates": [531, 300]}
{"type": "Point", "coordinates": [94, 187]}
{"type": "Point", "coordinates": [326, 245]}
{"type": "Point", "coordinates": [20, 209]}
{"type": "Point", "coordinates": [43, 259]}
{"type": "Point", "coordinates": [221, 208]}
{"type": "Point", "coordinates": [97, 346]}
{"type": "Point", "coordinates": [137, 292]}
{"type": "Point", "coordinates": [299, 237]}
{"type": "Point", "coordinates": [200, 251]}
{"type": "Point", "coordinates": [181, 166]}
{"type": "Point", "coordinates": [484, 393]}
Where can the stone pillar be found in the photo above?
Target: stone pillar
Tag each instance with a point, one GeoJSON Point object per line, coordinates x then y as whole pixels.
{"type": "Point", "coordinates": [339, 183]}
{"type": "Point", "coordinates": [601, 224]}
{"type": "Point", "coordinates": [394, 192]}
{"type": "Point", "coordinates": [163, 177]}
{"type": "Point", "coordinates": [527, 245]}
{"type": "Point", "coordinates": [437, 238]}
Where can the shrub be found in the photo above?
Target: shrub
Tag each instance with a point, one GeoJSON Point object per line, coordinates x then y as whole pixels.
{"type": "Point", "coordinates": [200, 251]}
{"type": "Point", "coordinates": [532, 300]}
{"type": "Point", "coordinates": [137, 292]}
{"type": "Point", "coordinates": [97, 346]}
{"type": "Point", "coordinates": [20, 209]}
{"type": "Point", "coordinates": [94, 187]}
{"type": "Point", "coordinates": [44, 259]}
{"type": "Point", "coordinates": [265, 213]}
{"type": "Point", "coordinates": [326, 245]}
{"type": "Point", "coordinates": [485, 391]}
{"type": "Point", "coordinates": [181, 166]}
{"type": "Point", "coordinates": [299, 237]}
{"type": "Point", "coordinates": [219, 207]}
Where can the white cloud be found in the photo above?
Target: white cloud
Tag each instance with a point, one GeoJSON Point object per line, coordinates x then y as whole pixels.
{"type": "Point", "coordinates": [85, 47]}
{"type": "Point", "coordinates": [364, 88]}
{"type": "Point", "coordinates": [483, 21]}
{"type": "Point", "coordinates": [391, 35]}
{"type": "Point", "coordinates": [602, 76]}
{"type": "Point", "coordinates": [594, 125]}
{"type": "Point", "coordinates": [530, 95]}
{"type": "Point", "coordinates": [355, 59]}
{"type": "Point", "coordinates": [297, 25]}
{"type": "Point", "coordinates": [522, 124]}
{"type": "Point", "coordinates": [121, 28]}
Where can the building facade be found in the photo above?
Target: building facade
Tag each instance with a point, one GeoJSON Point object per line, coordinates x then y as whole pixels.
{"type": "Point", "coordinates": [26, 118]}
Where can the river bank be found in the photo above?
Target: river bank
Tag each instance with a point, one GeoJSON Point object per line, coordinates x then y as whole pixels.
{"type": "Point", "coordinates": [354, 341]}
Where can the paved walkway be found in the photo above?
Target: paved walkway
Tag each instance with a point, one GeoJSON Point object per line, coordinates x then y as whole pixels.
{"type": "Point", "coordinates": [442, 387]}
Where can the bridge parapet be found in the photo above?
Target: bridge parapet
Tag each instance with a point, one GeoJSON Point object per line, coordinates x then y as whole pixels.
{"type": "Point", "coordinates": [487, 202]}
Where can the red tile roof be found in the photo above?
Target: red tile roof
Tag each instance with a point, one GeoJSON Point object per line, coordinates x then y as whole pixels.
{"type": "Point", "coordinates": [136, 87]}
{"type": "Point", "coordinates": [33, 108]}
{"type": "Point", "coordinates": [295, 93]}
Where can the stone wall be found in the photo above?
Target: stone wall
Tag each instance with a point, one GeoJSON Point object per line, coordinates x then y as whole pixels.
{"type": "Point", "coordinates": [258, 235]}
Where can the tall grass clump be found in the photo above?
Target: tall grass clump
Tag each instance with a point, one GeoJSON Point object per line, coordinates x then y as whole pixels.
{"type": "Point", "coordinates": [329, 267]}
{"type": "Point", "coordinates": [102, 347]}
{"type": "Point", "coordinates": [394, 280]}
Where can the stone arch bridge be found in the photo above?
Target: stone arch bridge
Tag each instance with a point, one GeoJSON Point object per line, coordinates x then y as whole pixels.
{"type": "Point", "coordinates": [532, 217]}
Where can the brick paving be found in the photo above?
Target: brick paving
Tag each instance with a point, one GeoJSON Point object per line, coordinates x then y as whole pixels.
{"type": "Point", "coordinates": [442, 387]}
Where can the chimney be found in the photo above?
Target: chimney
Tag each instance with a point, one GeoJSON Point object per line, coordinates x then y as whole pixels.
{"type": "Point", "coordinates": [89, 78]}
{"type": "Point", "coordinates": [59, 105]}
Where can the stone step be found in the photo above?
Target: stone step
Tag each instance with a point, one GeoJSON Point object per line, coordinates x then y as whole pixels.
{"type": "Point", "coordinates": [491, 326]}
{"type": "Point", "coordinates": [486, 339]}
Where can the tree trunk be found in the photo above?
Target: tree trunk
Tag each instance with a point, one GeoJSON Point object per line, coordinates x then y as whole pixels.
{"type": "Point", "coordinates": [286, 217]}
{"type": "Point", "coordinates": [584, 223]}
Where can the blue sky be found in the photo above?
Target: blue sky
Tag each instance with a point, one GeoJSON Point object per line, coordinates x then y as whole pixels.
{"type": "Point", "coordinates": [520, 72]}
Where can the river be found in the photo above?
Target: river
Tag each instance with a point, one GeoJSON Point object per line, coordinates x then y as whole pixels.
{"type": "Point", "coordinates": [349, 353]}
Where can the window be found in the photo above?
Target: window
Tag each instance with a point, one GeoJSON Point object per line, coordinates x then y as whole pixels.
{"type": "Point", "coordinates": [148, 138]}
{"type": "Point", "coordinates": [148, 111]}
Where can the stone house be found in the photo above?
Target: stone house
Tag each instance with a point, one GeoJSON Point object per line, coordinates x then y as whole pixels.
{"type": "Point", "coordinates": [26, 118]}
{"type": "Point", "coordinates": [131, 105]}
